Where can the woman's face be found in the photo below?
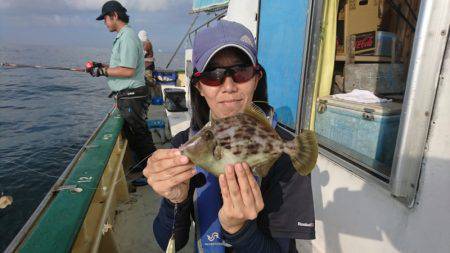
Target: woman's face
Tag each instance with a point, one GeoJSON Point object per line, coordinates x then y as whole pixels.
{"type": "Point", "coordinates": [230, 97]}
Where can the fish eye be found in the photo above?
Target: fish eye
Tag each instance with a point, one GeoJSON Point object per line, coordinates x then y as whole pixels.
{"type": "Point", "coordinates": [207, 135]}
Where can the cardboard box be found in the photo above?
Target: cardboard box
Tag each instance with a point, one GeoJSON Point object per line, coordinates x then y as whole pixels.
{"type": "Point", "coordinates": [363, 16]}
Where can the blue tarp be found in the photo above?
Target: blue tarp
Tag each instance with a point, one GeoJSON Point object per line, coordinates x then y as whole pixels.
{"type": "Point", "coordinates": [203, 5]}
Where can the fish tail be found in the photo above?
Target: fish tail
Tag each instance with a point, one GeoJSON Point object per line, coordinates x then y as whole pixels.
{"type": "Point", "coordinates": [303, 151]}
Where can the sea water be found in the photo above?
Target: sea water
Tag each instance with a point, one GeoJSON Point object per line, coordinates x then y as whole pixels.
{"type": "Point", "coordinates": [45, 117]}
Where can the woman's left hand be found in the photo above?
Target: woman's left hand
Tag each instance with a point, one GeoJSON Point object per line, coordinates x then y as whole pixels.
{"type": "Point", "coordinates": [242, 199]}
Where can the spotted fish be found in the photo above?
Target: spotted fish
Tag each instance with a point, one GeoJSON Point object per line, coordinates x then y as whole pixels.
{"type": "Point", "coordinates": [248, 137]}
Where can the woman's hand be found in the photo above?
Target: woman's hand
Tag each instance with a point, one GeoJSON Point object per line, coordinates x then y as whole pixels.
{"type": "Point", "coordinates": [168, 173]}
{"type": "Point", "coordinates": [242, 199]}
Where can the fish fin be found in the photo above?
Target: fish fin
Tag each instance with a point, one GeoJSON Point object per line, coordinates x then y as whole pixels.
{"type": "Point", "coordinates": [213, 122]}
{"type": "Point", "coordinates": [303, 151]}
{"type": "Point", "coordinates": [262, 169]}
{"type": "Point", "coordinates": [217, 153]}
{"type": "Point", "coordinates": [256, 112]}
{"type": "Point", "coordinates": [210, 123]}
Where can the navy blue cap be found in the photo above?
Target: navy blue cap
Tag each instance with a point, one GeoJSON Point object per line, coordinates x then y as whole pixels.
{"type": "Point", "coordinates": [111, 6]}
{"type": "Point", "coordinates": [215, 38]}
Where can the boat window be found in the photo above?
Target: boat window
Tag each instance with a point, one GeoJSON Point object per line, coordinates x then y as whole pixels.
{"type": "Point", "coordinates": [371, 91]}
{"type": "Point", "coordinates": [360, 82]}
{"type": "Point", "coordinates": [357, 116]}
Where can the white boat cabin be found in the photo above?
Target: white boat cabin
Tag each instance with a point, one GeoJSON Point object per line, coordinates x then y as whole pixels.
{"type": "Point", "coordinates": [382, 179]}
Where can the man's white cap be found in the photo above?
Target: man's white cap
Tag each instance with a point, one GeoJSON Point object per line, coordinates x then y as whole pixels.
{"type": "Point", "coordinates": [142, 35]}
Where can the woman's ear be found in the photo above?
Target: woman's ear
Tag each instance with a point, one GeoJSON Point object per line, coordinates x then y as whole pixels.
{"type": "Point", "coordinates": [199, 88]}
{"type": "Point", "coordinates": [259, 76]}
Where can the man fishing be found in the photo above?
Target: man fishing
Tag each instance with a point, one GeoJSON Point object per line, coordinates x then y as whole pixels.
{"type": "Point", "coordinates": [125, 74]}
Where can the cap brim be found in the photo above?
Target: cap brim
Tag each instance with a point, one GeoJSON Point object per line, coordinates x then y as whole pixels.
{"type": "Point", "coordinates": [101, 17]}
{"type": "Point", "coordinates": [206, 57]}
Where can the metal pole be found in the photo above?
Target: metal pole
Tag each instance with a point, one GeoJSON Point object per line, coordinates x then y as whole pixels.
{"type": "Point", "coordinates": [209, 21]}
{"type": "Point", "coordinates": [181, 42]}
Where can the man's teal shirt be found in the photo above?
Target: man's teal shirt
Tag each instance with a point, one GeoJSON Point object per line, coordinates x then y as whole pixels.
{"type": "Point", "coordinates": [127, 52]}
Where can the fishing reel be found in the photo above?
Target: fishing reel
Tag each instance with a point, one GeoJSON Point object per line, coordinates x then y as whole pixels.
{"type": "Point", "coordinates": [90, 65]}
{"type": "Point", "coordinates": [96, 69]}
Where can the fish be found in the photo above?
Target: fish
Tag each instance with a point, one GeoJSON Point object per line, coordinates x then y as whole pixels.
{"type": "Point", "coordinates": [5, 201]}
{"type": "Point", "coordinates": [248, 137]}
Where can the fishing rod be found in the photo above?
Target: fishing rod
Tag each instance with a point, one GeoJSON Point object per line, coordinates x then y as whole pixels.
{"type": "Point", "coordinates": [12, 65]}
{"type": "Point", "coordinates": [191, 31]}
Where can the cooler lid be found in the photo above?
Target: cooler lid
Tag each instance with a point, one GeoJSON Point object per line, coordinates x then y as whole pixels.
{"type": "Point", "coordinates": [388, 108]}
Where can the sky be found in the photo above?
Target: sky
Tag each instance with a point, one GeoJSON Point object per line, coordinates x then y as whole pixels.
{"type": "Point", "coordinates": [72, 22]}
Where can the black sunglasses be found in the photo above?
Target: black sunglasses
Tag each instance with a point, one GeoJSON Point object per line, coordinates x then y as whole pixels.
{"type": "Point", "coordinates": [240, 73]}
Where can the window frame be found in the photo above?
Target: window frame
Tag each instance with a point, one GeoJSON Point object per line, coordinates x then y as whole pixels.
{"type": "Point", "coordinates": [429, 44]}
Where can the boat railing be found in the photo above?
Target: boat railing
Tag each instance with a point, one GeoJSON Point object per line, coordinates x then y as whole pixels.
{"type": "Point", "coordinates": [35, 228]}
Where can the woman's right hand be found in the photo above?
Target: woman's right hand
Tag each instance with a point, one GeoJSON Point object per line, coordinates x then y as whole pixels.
{"type": "Point", "coordinates": [168, 173]}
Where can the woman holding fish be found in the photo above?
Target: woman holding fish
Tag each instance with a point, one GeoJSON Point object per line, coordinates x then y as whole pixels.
{"type": "Point", "coordinates": [212, 176]}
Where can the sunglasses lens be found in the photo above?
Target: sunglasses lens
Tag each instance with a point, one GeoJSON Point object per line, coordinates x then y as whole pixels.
{"type": "Point", "coordinates": [240, 74]}
{"type": "Point", "coordinates": [213, 77]}
{"type": "Point", "coordinates": [243, 74]}
{"type": "Point", "coordinates": [210, 82]}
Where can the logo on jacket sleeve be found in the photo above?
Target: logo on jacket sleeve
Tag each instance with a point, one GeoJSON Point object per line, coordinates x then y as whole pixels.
{"type": "Point", "coordinates": [305, 224]}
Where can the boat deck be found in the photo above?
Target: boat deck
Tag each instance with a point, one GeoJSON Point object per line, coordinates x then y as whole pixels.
{"type": "Point", "coordinates": [133, 224]}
